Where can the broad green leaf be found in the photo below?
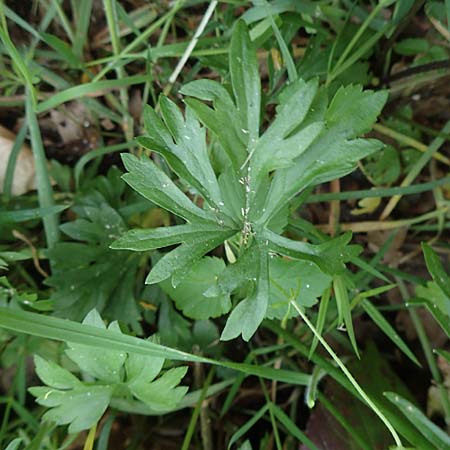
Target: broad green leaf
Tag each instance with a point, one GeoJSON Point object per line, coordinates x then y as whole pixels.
{"type": "Point", "coordinates": [53, 375]}
{"type": "Point", "coordinates": [432, 432]}
{"type": "Point", "coordinates": [143, 368]}
{"type": "Point", "coordinates": [249, 313]}
{"type": "Point", "coordinates": [189, 294]}
{"type": "Point", "coordinates": [105, 365]}
{"type": "Point", "coordinates": [281, 143]}
{"type": "Point", "coordinates": [230, 137]}
{"type": "Point", "coordinates": [245, 80]}
{"type": "Point", "coordinates": [94, 276]}
{"type": "Point", "coordinates": [152, 183]}
{"type": "Point", "coordinates": [80, 408]}
{"type": "Point", "coordinates": [301, 281]}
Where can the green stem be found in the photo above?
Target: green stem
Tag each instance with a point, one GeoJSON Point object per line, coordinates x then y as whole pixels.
{"type": "Point", "coordinates": [349, 376]}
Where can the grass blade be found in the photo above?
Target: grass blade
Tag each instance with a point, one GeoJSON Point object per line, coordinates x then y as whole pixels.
{"type": "Point", "coordinates": [45, 192]}
{"type": "Point", "coordinates": [387, 329]}
{"type": "Point", "coordinates": [433, 433]}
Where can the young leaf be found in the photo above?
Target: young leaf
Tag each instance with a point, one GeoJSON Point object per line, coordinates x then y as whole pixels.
{"type": "Point", "coordinates": [113, 374]}
{"type": "Point", "coordinates": [301, 281]}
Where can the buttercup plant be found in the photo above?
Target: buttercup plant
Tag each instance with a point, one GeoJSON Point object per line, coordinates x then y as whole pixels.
{"type": "Point", "coordinates": [244, 199]}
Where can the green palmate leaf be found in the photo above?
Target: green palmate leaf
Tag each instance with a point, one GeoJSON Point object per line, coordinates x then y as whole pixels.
{"type": "Point", "coordinates": [300, 281]}
{"type": "Point", "coordinates": [325, 160]}
{"type": "Point", "coordinates": [437, 437]}
{"type": "Point", "coordinates": [329, 256]}
{"type": "Point", "coordinates": [162, 394]}
{"type": "Point", "coordinates": [81, 407]}
{"type": "Point", "coordinates": [105, 365]}
{"type": "Point", "coordinates": [112, 374]}
{"type": "Point", "coordinates": [93, 276]}
{"type": "Point", "coordinates": [189, 294]}
{"type": "Point", "coordinates": [249, 186]}
{"type": "Point", "coordinates": [182, 142]}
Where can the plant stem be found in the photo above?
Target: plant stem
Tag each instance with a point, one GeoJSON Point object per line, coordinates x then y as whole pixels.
{"type": "Point", "coordinates": [349, 376]}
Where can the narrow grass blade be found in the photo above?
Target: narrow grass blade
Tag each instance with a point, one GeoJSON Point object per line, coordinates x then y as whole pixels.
{"type": "Point", "coordinates": [344, 311]}
{"type": "Point", "coordinates": [444, 354]}
{"type": "Point", "coordinates": [69, 331]}
{"type": "Point", "coordinates": [323, 309]}
{"type": "Point", "coordinates": [30, 214]}
{"type": "Point", "coordinates": [432, 432]}
{"type": "Point", "coordinates": [14, 444]}
{"type": "Point", "coordinates": [440, 317]}
{"type": "Point", "coordinates": [86, 158]}
{"type": "Point", "coordinates": [45, 192]}
{"type": "Point", "coordinates": [248, 425]}
{"type": "Point", "coordinates": [292, 428]}
{"type": "Point", "coordinates": [387, 329]}
{"type": "Point", "coordinates": [86, 89]}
